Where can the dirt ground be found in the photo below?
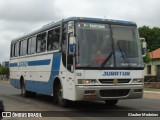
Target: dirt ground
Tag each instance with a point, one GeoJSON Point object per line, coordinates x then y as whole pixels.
{"type": "Point", "coordinates": [4, 82]}
{"type": "Point", "coordinates": [151, 95]}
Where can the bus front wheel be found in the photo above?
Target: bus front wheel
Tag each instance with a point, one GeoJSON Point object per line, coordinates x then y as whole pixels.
{"type": "Point", "coordinates": [111, 102]}
{"type": "Point", "coordinates": [59, 96]}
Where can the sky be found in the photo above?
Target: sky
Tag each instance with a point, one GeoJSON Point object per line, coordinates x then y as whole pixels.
{"type": "Point", "coordinates": [18, 17]}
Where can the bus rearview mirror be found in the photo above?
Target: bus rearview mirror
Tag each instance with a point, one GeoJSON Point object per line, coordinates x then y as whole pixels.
{"type": "Point", "coordinates": [144, 48]}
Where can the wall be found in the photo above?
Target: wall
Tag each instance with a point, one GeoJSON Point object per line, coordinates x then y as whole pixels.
{"type": "Point", "coordinates": [153, 73]}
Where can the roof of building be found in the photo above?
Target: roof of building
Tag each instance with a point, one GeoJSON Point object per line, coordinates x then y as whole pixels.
{"type": "Point", "coordinates": [155, 54]}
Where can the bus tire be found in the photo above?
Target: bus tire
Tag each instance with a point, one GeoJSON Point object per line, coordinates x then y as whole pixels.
{"type": "Point", "coordinates": [24, 93]}
{"type": "Point", "coordinates": [111, 102]}
{"type": "Point", "coordinates": [59, 97]}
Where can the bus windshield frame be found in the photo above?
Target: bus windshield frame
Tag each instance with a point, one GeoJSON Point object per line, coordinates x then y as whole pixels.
{"type": "Point", "coordinates": [104, 46]}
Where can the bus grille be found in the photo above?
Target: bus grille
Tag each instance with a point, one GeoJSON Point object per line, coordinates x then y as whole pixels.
{"type": "Point", "coordinates": [114, 93]}
{"type": "Point", "coordinates": [111, 81]}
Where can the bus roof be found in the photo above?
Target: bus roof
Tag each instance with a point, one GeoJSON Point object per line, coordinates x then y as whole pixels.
{"type": "Point", "coordinates": [82, 19]}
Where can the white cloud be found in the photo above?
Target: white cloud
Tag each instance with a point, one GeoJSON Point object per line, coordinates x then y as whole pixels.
{"type": "Point", "coordinates": [72, 8]}
{"type": "Point", "coordinates": [22, 16]}
{"type": "Point", "coordinates": [28, 10]}
{"type": "Point", "coordinates": [143, 12]}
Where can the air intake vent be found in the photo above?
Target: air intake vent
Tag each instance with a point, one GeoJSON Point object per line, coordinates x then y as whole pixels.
{"type": "Point", "coordinates": [111, 81]}
{"type": "Point", "coordinates": [114, 93]}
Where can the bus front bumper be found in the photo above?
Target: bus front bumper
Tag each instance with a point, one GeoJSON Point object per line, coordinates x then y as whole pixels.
{"type": "Point", "coordinates": [109, 92]}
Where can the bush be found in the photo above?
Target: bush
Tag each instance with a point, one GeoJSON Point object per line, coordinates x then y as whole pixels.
{"type": "Point", "coordinates": [4, 70]}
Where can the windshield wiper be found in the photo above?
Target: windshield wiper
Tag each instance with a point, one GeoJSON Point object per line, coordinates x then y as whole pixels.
{"type": "Point", "coordinates": [106, 60]}
{"type": "Point", "coordinates": [123, 54]}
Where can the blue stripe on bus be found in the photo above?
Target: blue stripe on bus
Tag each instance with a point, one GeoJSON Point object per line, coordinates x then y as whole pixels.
{"type": "Point", "coordinates": [33, 63]}
{"type": "Point", "coordinates": [39, 86]}
{"type": "Point", "coordinates": [39, 62]}
{"type": "Point", "coordinates": [15, 83]}
{"type": "Point", "coordinates": [13, 64]}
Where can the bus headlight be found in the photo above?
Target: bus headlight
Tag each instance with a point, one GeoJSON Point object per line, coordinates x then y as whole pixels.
{"type": "Point", "coordinates": [138, 80]}
{"type": "Point", "coordinates": [87, 81]}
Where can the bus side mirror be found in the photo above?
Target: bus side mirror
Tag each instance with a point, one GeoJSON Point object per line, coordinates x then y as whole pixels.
{"type": "Point", "coordinates": [72, 45]}
{"type": "Point", "coordinates": [144, 48]}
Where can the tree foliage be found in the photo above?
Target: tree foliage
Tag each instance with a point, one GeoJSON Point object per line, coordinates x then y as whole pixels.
{"type": "Point", "coordinates": [4, 70]}
{"type": "Point", "coordinates": [151, 35]}
{"type": "Point", "coordinates": [147, 58]}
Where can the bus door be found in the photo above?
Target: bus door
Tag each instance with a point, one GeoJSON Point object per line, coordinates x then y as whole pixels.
{"type": "Point", "coordinates": [71, 60]}
{"type": "Point", "coordinates": [68, 60]}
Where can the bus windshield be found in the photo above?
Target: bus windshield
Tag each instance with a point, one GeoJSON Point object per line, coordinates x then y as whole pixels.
{"type": "Point", "coordinates": [103, 45]}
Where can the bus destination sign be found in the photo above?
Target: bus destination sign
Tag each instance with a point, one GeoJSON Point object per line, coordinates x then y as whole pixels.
{"type": "Point", "coordinates": [91, 26]}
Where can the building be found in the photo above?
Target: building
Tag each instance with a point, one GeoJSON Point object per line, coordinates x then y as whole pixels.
{"type": "Point", "coordinates": [152, 70]}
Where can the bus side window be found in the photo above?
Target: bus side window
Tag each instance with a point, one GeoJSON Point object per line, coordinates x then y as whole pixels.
{"type": "Point", "coordinates": [53, 39]}
{"type": "Point", "coordinates": [23, 47]}
{"type": "Point", "coordinates": [32, 45]}
{"type": "Point", "coordinates": [12, 50]}
{"type": "Point", "coordinates": [41, 42]}
{"type": "Point", "coordinates": [16, 49]}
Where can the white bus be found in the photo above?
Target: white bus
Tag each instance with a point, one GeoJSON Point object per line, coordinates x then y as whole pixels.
{"type": "Point", "coordinates": [79, 59]}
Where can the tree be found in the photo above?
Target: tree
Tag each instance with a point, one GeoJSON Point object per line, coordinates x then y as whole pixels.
{"type": "Point", "coordinates": [151, 35]}
{"type": "Point", "coordinates": [4, 70]}
{"type": "Point", "coordinates": [147, 58]}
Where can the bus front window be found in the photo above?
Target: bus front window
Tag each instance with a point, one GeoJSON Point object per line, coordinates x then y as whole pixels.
{"type": "Point", "coordinates": [95, 45]}
{"type": "Point", "coordinates": [101, 48]}
{"type": "Point", "coordinates": [127, 46]}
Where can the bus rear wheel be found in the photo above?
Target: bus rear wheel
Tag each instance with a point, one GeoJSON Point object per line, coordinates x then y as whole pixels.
{"type": "Point", "coordinates": [24, 93]}
{"type": "Point", "coordinates": [59, 96]}
{"type": "Point", "coordinates": [111, 102]}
